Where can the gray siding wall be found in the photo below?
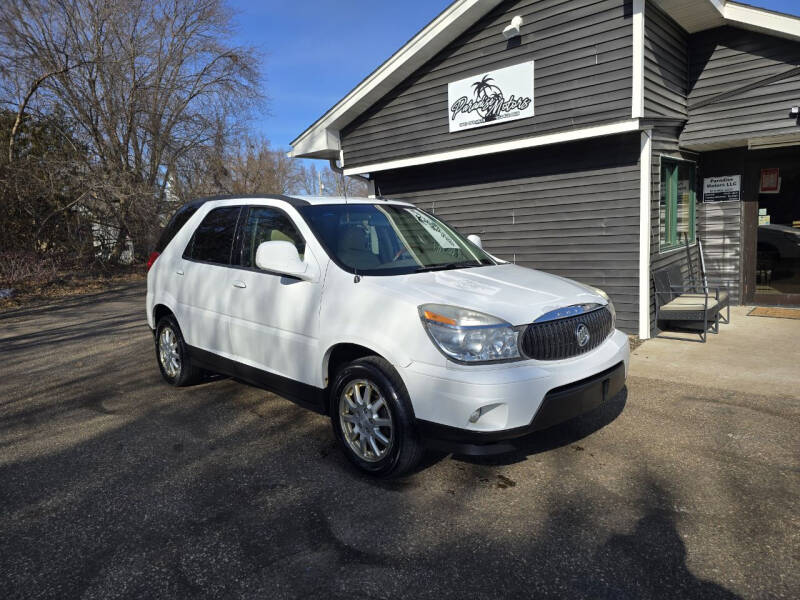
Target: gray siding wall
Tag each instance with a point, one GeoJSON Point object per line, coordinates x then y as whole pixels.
{"type": "Point", "coordinates": [741, 84]}
{"type": "Point", "coordinates": [583, 69]}
{"type": "Point", "coordinates": [666, 65]}
{"type": "Point", "coordinates": [570, 209]}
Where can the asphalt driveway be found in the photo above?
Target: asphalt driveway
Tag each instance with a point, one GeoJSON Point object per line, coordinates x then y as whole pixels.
{"type": "Point", "coordinates": [114, 485]}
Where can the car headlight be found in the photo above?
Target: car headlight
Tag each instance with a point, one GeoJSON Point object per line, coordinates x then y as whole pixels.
{"type": "Point", "coordinates": [469, 336]}
{"type": "Point", "coordinates": [611, 308]}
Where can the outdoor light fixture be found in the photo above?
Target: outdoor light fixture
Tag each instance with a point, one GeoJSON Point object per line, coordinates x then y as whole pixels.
{"type": "Point", "coordinates": [795, 112]}
{"type": "Point", "coordinates": [512, 30]}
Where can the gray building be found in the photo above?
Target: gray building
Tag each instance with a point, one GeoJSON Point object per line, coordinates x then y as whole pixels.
{"type": "Point", "coordinates": [594, 139]}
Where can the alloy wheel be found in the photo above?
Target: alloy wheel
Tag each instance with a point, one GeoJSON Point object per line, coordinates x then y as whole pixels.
{"type": "Point", "coordinates": [168, 352]}
{"type": "Point", "coordinates": [366, 420]}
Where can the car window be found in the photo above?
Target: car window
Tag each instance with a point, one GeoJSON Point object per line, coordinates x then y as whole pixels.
{"type": "Point", "coordinates": [213, 239]}
{"type": "Point", "coordinates": [268, 224]}
{"type": "Point", "coordinates": [177, 221]}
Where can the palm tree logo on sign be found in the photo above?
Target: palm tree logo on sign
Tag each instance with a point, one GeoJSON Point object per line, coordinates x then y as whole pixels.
{"type": "Point", "coordinates": [489, 96]}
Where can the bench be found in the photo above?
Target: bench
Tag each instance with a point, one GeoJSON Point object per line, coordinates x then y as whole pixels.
{"type": "Point", "coordinates": [687, 304]}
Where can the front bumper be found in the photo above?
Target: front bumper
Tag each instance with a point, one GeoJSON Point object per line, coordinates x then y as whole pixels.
{"type": "Point", "coordinates": [559, 405]}
{"type": "Point", "coordinates": [525, 396]}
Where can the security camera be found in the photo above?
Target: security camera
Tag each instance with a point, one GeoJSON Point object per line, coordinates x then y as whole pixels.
{"type": "Point", "coordinates": [512, 30]}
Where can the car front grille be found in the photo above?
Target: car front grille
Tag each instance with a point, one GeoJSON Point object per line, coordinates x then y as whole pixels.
{"type": "Point", "coordinates": [558, 339]}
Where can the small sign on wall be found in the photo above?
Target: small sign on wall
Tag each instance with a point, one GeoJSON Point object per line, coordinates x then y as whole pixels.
{"type": "Point", "coordinates": [494, 97]}
{"type": "Point", "coordinates": [727, 188]}
{"type": "Point", "coordinates": [770, 181]}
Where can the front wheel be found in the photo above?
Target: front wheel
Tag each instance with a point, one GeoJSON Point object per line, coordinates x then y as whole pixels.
{"type": "Point", "coordinates": [372, 418]}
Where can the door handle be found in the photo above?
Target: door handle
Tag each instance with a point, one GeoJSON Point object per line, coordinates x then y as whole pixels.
{"type": "Point", "coordinates": [239, 284]}
{"type": "Point", "coordinates": [179, 271]}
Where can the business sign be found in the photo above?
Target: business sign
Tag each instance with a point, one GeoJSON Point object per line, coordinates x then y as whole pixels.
{"type": "Point", "coordinates": [500, 95]}
{"type": "Point", "coordinates": [727, 188]}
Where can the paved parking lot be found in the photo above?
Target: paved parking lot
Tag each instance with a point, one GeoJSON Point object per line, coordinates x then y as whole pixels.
{"type": "Point", "coordinates": [114, 485]}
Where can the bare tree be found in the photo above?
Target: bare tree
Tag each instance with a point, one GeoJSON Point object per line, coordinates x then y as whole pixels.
{"type": "Point", "coordinates": [338, 184]}
{"type": "Point", "coordinates": [147, 85]}
{"type": "Point", "coordinates": [310, 180]}
{"type": "Point", "coordinates": [327, 182]}
{"type": "Point", "coordinates": [250, 166]}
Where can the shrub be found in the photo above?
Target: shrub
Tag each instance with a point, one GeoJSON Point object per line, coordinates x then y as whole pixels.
{"type": "Point", "coordinates": [17, 267]}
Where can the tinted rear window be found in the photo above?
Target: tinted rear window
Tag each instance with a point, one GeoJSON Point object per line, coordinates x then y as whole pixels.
{"type": "Point", "coordinates": [174, 226]}
{"type": "Point", "coordinates": [213, 239]}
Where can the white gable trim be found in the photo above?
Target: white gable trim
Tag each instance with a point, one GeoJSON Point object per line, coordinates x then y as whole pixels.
{"type": "Point", "coordinates": [759, 19]}
{"type": "Point", "coordinates": [321, 140]}
{"type": "Point", "coordinates": [519, 144]}
{"type": "Point", "coordinates": [699, 15]}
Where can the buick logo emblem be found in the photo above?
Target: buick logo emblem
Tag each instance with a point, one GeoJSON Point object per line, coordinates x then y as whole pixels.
{"type": "Point", "coordinates": [582, 335]}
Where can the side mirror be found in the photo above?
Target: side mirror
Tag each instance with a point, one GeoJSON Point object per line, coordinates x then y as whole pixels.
{"type": "Point", "coordinates": [476, 239]}
{"type": "Point", "coordinates": [282, 257]}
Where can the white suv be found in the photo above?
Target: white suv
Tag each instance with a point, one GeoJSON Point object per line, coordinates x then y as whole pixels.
{"type": "Point", "coordinates": [382, 316]}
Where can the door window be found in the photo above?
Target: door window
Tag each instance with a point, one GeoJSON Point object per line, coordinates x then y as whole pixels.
{"type": "Point", "coordinates": [676, 204]}
{"type": "Point", "coordinates": [213, 239]}
{"type": "Point", "coordinates": [268, 224]}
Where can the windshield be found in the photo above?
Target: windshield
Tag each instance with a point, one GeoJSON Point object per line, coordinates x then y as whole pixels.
{"type": "Point", "coordinates": [388, 239]}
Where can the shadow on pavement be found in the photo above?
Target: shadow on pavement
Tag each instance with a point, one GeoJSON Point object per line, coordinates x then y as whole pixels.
{"type": "Point", "coordinates": [192, 501]}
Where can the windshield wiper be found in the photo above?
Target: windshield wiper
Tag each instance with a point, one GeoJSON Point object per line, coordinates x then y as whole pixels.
{"type": "Point", "coordinates": [446, 266]}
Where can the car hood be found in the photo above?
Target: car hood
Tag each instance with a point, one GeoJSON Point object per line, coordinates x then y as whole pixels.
{"type": "Point", "coordinates": [510, 292]}
{"type": "Point", "coordinates": [775, 228]}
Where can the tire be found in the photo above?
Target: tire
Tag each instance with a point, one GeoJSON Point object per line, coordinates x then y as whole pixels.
{"type": "Point", "coordinates": [180, 371]}
{"type": "Point", "coordinates": [405, 449]}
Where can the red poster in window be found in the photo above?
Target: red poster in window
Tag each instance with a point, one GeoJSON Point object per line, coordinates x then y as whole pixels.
{"type": "Point", "coordinates": [770, 181]}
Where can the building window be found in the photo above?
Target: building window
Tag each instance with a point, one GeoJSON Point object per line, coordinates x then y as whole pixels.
{"type": "Point", "coordinates": [676, 206]}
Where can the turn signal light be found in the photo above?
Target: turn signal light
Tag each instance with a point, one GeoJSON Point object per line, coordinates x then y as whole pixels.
{"type": "Point", "coordinates": [437, 318]}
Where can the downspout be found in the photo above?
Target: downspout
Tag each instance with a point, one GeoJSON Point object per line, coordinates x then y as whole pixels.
{"type": "Point", "coordinates": [337, 169]}
{"type": "Point", "coordinates": [340, 171]}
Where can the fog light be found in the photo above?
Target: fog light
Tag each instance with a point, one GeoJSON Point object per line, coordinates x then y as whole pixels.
{"type": "Point", "coordinates": [473, 418]}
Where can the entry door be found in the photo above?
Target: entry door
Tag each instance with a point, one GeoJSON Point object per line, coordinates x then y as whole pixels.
{"type": "Point", "coordinates": [275, 319]}
{"type": "Point", "coordinates": [774, 263]}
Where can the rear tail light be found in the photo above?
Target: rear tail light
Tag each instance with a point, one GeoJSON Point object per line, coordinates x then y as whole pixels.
{"type": "Point", "coordinates": [152, 259]}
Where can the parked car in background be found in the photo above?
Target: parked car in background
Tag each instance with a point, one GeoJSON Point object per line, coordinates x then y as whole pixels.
{"type": "Point", "coordinates": [779, 241]}
{"type": "Point", "coordinates": [383, 317]}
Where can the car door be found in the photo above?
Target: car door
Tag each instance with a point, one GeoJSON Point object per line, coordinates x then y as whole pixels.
{"type": "Point", "coordinates": [275, 318]}
{"type": "Point", "coordinates": [205, 279]}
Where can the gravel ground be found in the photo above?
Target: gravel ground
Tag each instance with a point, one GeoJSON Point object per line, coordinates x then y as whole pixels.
{"type": "Point", "coordinates": [114, 485]}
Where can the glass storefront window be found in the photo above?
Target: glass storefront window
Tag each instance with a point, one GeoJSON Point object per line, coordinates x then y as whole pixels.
{"type": "Point", "coordinates": [676, 204]}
